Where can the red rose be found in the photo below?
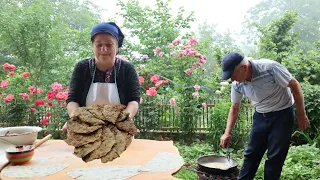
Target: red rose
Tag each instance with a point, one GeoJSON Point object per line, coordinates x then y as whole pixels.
{"type": "Point", "coordinates": [39, 102]}
{"type": "Point", "coordinates": [48, 114]}
{"type": "Point", "coordinates": [9, 67]}
{"type": "Point", "coordinates": [44, 121]}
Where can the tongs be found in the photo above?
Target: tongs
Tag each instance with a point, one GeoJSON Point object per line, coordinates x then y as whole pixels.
{"type": "Point", "coordinates": [228, 155]}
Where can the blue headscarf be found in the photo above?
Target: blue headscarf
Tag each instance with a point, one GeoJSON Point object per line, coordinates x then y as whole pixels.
{"type": "Point", "coordinates": [108, 27]}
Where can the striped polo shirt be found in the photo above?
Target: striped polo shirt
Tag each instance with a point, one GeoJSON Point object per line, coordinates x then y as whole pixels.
{"type": "Point", "coordinates": [268, 89]}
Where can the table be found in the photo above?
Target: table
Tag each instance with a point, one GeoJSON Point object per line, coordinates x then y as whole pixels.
{"type": "Point", "coordinates": [139, 152]}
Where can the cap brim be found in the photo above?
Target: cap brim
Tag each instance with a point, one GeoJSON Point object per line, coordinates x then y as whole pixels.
{"type": "Point", "coordinates": [226, 75]}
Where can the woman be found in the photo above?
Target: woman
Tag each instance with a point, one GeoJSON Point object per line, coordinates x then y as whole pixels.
{"type": "Point", "coordinates": [104, 79]}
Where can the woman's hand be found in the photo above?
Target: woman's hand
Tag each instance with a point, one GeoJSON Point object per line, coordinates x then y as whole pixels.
{"type": "Point", "coordinates": [65, 127]}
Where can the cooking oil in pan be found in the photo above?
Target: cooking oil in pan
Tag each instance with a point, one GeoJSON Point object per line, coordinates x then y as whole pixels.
{"type": "Point", "coordinates": [216, 165]}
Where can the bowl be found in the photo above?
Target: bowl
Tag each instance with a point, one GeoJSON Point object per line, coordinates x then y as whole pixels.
{"type": "Point", "coordinates": [19, 135]}
{"type": "Point", "coordinates": [19, 154]}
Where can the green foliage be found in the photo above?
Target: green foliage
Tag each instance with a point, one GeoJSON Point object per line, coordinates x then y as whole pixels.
{"type": "Point", "coordinates": [152, 27]}
{"type": "Point", "coordinates": [186, 174]}
{"type": "Point", "coordinates": [305, 66]}
{"type": "Point", "coordinates": [276, 39]}
{"type": "Point", "coordinates": [14, 113]}
{"type": "Point", "coordinates": [219, 121]}
{"type": "Point", "coordinates": [309, 140]}
{"type": "Point", "coordinates": [299, 164]}
{"type": "Point", "coordinates": [312, 102]}
{"type": "Point", "coordinates": [148, 117]}
{"type": "Point", "coordinates": [192, 152]}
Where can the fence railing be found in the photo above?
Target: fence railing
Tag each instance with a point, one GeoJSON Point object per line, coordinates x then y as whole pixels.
{"type": "Point", "coordinates": [162, 117]}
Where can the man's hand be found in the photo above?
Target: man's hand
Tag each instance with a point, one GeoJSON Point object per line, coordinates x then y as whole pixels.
{"type": "Point", "coordinates": [302, 118]}
{"type": "Point", "coordinates": [303, 121]}
{"type": "Point", "coordinates": [225, 140]}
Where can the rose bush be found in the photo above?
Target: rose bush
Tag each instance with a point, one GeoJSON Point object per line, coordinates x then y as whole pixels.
{"type": "Point", "coordinates": [22, 102]}
{"type": "Point", "coordinates": [176, 76]}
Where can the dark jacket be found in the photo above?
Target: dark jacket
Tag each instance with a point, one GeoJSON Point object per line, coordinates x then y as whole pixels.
{"type": "Point", "coordinates": [127, 83]}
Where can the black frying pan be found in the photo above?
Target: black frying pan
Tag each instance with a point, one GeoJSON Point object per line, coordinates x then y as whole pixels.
{"type": "Point", "coordinates": [218, 159]}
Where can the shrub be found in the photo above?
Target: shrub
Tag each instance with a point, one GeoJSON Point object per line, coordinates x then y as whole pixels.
{"type": "Point", "coordinates": [23, 103]}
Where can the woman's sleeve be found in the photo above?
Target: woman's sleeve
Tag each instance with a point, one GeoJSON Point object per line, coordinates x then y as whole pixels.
{"type": "Point", "coordinates": [132, 84]}
{"type": "Point", "coordinates": [74, 93]}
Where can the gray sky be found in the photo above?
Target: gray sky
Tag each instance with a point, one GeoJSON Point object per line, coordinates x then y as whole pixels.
{"type": "Point", "coordinates": [226, 14]}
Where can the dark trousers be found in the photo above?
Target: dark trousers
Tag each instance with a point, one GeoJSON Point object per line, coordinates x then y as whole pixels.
{"type": "Point", "coordinates": [272, 132]}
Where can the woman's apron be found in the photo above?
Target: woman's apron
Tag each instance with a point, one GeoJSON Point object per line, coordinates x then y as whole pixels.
{"type": "Point", "coordinates": [103, 93]}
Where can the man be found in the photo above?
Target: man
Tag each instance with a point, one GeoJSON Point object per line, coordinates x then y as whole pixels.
{"type": "Point", "coordinates": [273, 92]}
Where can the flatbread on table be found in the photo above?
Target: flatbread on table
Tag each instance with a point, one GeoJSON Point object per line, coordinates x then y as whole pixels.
{"type": "Point", "coordinates": [104, 173]}
{"type": "Point", "coordinates": [33, 171]}
{"type": "Point", "coordinates": [163, 161]}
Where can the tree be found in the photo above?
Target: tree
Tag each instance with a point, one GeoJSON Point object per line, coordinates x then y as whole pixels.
{"type": "Point", "coordinates": [277, 41]}
{"type": "Point", "coordinates": [151, 27]}
{"type": "Point", "coordinates": [46, 36]}
{"type": "Point", "coordinates": [307, 26]}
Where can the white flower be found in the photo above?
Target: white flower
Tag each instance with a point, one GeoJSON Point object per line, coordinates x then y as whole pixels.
{"type": "Point", "coordinates": [172, 101]}
{"type": "Point", "coordinates": [196, 87]}
{"type": "Point", "coordinates": [145, 56]}
{"type": "Point", "coordinates": [222, 88]}
{"type": "Point", "coordinates": [195, 94]}
{"type": "Point", "coordinates": [225, 83]}
{"type": "Point", "coordinates": [218, 92]}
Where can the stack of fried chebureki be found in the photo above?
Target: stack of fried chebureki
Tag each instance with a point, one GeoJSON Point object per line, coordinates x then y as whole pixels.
{"type": "Point", "coordinates": [100, 132]}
